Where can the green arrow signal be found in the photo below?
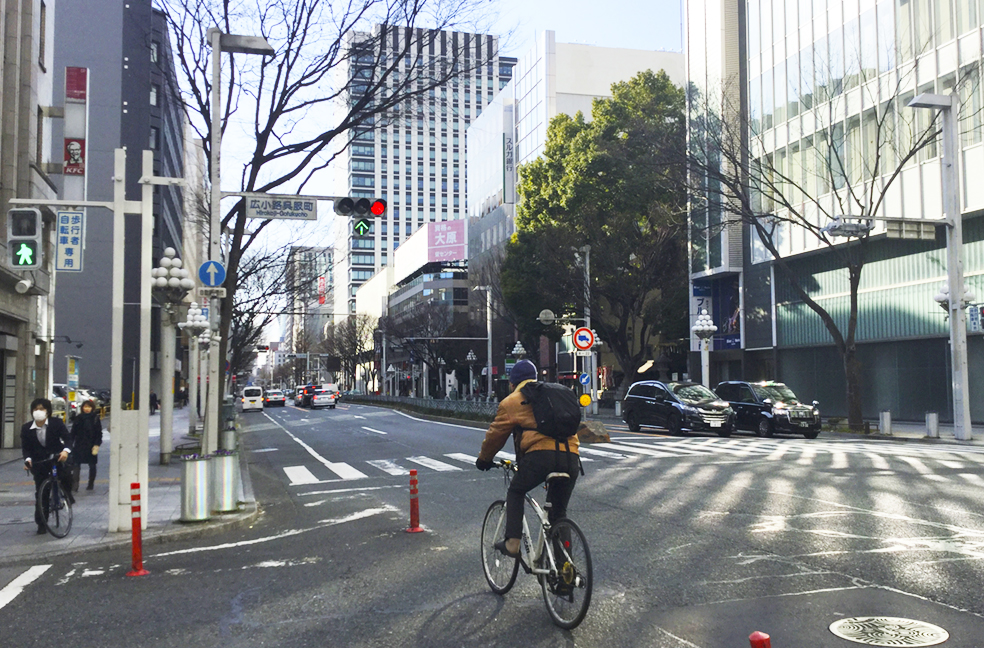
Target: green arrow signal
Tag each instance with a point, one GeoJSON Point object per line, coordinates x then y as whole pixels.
{"type": "Point", "coordinates": [362, 227]}
{"type": "Point", "coordinates": [25, 254]}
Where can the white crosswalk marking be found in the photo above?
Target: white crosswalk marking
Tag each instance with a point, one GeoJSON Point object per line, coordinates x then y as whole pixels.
{"type": "Point", "coordinates": [461, 456]}
{"type": "Point", "coordinates": [388, 466]}
{"type": "Point", "coordinates": [877, 461]}
{"type": "Point", "coordinates": [300, 475]}
{"type": "Point", "coordinates": [956, 465]}
{"type": "Point", "coordinates": [433, 464]}
{"type": "Point", "coordinates": [634, 450]}
{"type": "Point", "coordinates": [977, 480]}
{"type": "Point", "coordinates": [345, 471]}
{"type": "Point", "coordinates": [838, 460]}
{"type": "Point", "coordinates": [599, 453]}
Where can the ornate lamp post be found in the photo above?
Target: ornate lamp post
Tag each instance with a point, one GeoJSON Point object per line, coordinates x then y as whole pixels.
{"type": "Point", "coordinates": [519, 351]}
{"type": "Point", "coordinates": [171, 283]}
{"type": "Point", "coordinates": [943, 297]}
{"type": "Point", "coordinates": [470, 359]}
{"type": "Point", "coordinates": [196, 325]}
{"type": "Point", "coordinates": [705, 329]}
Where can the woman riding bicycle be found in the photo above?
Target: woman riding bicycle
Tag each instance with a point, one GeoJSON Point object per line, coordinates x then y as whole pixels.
{"type": "Point", "coordinates": [40, 439]}
{"type": "Point", "coordinates": [540, 456]}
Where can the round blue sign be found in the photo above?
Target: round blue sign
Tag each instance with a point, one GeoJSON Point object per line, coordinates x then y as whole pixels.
{"type": "Point", "coordinates": [211, 274]}
{"type": "Point", "coordinates": [584, 379]}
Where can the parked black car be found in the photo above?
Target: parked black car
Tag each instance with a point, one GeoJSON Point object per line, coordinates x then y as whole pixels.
{"type": "Point", "coordinates": [677, 406]}
{"type": "Point", "coordinates": [770, 407]}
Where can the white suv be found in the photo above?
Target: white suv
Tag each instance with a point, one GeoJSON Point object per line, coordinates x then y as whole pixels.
{"type": "Point", "coordinates": [323, 398]}
{"type": "Point", "coordinates": [252, 399]}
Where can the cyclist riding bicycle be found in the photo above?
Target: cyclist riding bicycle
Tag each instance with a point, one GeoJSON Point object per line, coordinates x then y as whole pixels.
{"type": "Point", "coordinates": [538, 455]}
{"type": "Point", "coordinates": [40, 439]}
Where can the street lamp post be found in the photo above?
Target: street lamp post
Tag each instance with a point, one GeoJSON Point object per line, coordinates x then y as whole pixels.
{"type": "Point", "coordinates": [947, 105]}
{"type": "Point", "coordinates": [195, 325]}
{"type": "Point", "coordinates": [488, 332]}
{"type": "Point", "coordinates": [470, 359]}
{"type": "Point", "coordinates": [234, 44]}
{"type": "Point", "coordinates": [705, 329]}
{"type": "Point", "coordinates": [172, 283]}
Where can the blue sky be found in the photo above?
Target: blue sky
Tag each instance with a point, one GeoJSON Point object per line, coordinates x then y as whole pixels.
{"type": "Point", "coordinates": [635, 24]}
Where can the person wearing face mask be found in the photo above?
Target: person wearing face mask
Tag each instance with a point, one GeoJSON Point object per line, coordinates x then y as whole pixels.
{"type": "Point", "coordinates": [41, 438]}
{"type": "Point", "coordinates": [87, 436]}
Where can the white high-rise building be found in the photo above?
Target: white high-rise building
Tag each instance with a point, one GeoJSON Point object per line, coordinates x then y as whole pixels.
{"type": "Point", "coordinates": [414, 160]}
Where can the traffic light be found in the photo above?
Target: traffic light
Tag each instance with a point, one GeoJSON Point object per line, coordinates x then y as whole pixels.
{"type": "Point", "coordinates": [360, 207]}
{"type": "Point", "coordinates": [24, 229]}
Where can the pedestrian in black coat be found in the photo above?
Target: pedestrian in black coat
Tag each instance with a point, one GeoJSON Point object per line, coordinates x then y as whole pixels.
{"type": "Point", "coordinates": [40, 439]}
{"type": "Point", "coordinates": [87, 436]}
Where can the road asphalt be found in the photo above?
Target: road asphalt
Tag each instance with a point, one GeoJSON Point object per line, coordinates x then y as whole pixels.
{"type": "Point", "coordinates": [19, 541]}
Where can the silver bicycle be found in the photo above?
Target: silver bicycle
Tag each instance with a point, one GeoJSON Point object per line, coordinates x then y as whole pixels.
{"type": "Point", "coordinates": [557, 554]}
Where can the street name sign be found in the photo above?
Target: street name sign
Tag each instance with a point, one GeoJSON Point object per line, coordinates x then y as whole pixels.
{"type": "Point", "coordinates": [211, 274]}
{"type": "Point", "coordinates": [272, 206]}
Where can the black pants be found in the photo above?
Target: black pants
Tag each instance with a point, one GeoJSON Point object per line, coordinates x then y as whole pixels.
{"type": "Point", "coordinates": [533, 470]}
{"type": "Point", "coordinates": [40, 474]}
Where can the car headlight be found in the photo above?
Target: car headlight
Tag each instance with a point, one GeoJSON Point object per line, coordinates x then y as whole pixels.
{"type": "Point", "coordinates": [779, 411]}
{"type": "Point", "coordinates": [692, 411]}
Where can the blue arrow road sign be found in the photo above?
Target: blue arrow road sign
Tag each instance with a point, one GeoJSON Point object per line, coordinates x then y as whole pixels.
{"type": "Point", "coordinates": [584, 379]}
{"type": "Point", "coordinates": [211, 273]}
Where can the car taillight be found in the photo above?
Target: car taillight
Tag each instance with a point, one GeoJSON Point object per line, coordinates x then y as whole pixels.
{"type": "Point", "coordinates": [244, 400]}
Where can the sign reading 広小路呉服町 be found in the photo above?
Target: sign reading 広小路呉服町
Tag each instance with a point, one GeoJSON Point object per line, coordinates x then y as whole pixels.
{"type": "Point", "coordinates": [281, 207]}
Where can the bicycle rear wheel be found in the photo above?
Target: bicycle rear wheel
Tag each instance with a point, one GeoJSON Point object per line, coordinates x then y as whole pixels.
{"type": "Point", "coordinates": [55, 508]}
{"type": "Point", "coordinates": [500, 571]}
{"type": "Point", "coordinates": [568, 594]}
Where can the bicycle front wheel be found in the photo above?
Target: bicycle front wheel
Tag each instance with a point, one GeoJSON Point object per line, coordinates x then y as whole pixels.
{"type": "Point", "coordinates": [55, 508]}
{"type": "Point", "coordinates": [567, 593]}
{"type": "Point", "coordinates": [500, 571]}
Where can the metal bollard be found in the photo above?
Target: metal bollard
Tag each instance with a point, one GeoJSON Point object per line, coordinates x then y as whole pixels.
{"type": "Point", "coordinates": [885, 423]}
{"type": "Point", "coordinates": [933, 425]}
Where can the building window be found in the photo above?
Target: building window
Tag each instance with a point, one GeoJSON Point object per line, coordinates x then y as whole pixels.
{"type": "Point", "coordinates": [155, 136]}
{"type": "Point", "coordinates": [155, 90]}
{"type": "Point", "coordinates": [39, 148]}
{"type": "Point", "coordinates": [155, 52]}
{"type": "Point", "coordinates": [42, 29]}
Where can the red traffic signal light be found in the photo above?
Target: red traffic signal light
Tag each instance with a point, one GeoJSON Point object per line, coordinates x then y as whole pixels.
{"type": "Point", "coordinates": [360, 207]}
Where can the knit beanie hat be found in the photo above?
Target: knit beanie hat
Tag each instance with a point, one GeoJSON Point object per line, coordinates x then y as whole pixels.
{"type": "Point", "coordinates": [522, 370]}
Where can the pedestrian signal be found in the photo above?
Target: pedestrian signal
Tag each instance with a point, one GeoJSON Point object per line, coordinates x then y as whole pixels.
{"type": "Point", "coordinates": [24, 228]}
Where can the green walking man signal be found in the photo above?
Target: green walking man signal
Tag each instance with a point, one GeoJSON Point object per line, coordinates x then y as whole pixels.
{"type": "Point", "coordinates": [24, 230]}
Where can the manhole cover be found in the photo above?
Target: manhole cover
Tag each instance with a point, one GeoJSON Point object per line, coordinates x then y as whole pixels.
{"type": "Point", "coordinates": [889, 631]}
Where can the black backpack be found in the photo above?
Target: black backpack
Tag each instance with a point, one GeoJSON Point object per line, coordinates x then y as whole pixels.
{"type": "Point", "coordinates": [555, 408]}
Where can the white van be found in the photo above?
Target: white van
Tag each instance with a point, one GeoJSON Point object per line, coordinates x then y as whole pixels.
{"type": "Point", "coordinates": [253, 399]}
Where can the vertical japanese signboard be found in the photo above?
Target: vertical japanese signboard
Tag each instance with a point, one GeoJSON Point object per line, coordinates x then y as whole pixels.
{"type": "Point", "coordinates": [71, 224]}
{"type": "Point", "coordinates": [73, 380]}
{"type": "Point", "coordinates": [321, 290]}
{"type": "Point", "coordinates": [70, 235]}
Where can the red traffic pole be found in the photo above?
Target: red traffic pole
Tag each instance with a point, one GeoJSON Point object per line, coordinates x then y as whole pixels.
{"type": "Point", "coordinates": [414, 506]}
{"type": "Point", "coordinates": [135, 516]}
{"type": "Point", "coordinates": [759, 640]}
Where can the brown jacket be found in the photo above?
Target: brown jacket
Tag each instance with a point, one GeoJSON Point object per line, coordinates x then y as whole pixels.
{"type": "Point", "coordinates": [515, 411]}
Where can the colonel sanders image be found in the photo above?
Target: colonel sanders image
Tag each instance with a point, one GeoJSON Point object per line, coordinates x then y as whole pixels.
{"type": "Point", "coordinates": [74, 157]}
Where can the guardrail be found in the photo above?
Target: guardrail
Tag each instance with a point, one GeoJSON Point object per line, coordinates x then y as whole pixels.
{"type": "Point", "coordinates": [468, 409]}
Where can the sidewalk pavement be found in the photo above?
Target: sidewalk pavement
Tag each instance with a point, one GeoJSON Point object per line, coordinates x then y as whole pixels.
{"type": "Point", "coordinates": [18, 537]}
{"type": "Point", "coordinates": [901, 431]}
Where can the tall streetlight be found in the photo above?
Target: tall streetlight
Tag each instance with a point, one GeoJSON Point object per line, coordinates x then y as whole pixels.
{"type": "Point", "coordinates": [240, 45]}
{"type": "Point", "coordinates": [488, 332]}
{"type": "Point", "coordinates": [705, 329]}
{"type": "Point", "coordinates": [172, 283]}
{"type": "Point", "coordinates": [947, 105]}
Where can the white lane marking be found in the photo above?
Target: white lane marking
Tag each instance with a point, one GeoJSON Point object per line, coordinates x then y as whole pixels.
{"type": "Point", "coordinates": [358, 417]}
{"type": "Point", "coordinates": [433, 464]}
{"type": "Point", "coordinates": [414, 418]}
{"type": "Point", "coordinates": [341, 469]}
{"type": "Point", "coordinates": [372, 430]}
{"type": "Point", "coordinates": [838, 460]}
{"type": "Point", "coordinates": [387, 466]}
{"type": "Point", "coordinates": [286, 534]}
{"type": "Point", "coordinates": [461, 456]}
{"type": "Point", "coordinates": [16, 586]}
{"type": "Point", "coordinates": [349, 490]}
{"type": "Point", "coordinates": [318, 503]}
{"type": "Point", "coordinates": [299, 475]}
{"type": "Point", "coordinates": [642, 451]}
{"type": "Point", "coordinates": [264, 450]}
{"type": "Point", "coordinates": [972, 478]}
{"type": "Point", "coordinates": [877, 461]}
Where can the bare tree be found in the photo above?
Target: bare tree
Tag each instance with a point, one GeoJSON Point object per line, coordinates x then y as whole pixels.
{"type": "Point", "coordinates": [307, 103]}
{"type": "Point", "coordinates": [352, 340]}
{"type": "Point", "coordinates": [846, 166]}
